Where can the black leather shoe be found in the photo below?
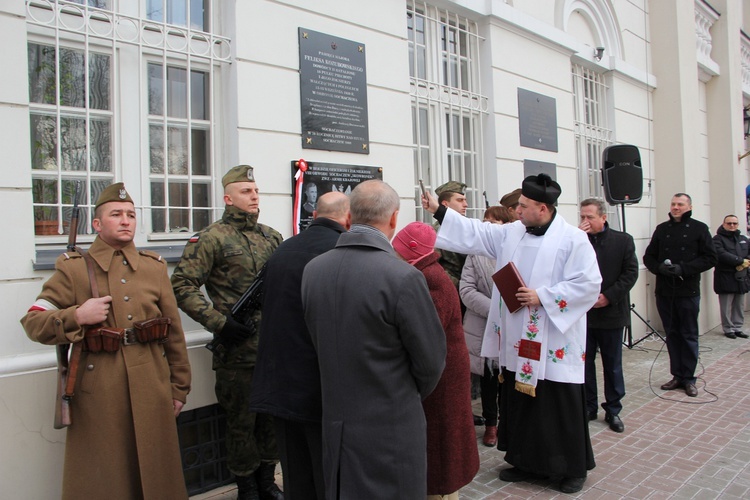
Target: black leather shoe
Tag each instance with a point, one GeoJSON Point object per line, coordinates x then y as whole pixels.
{"type": "Point", "coordinates": [671, 385]}
{"type": "Point", "coordinates": [592, 415]}
{"type": "Point", "coordinates": [514, 475]}
{"type": "Point", "coordinates": [691, 390]}
{"type": "Point", "coordinates": [614, 421]}
{"type": "Point", "coordinates": [741, 335]}
{"type": "Point", "coordinates": [730, 335]}
{"type": "Point", "coordinates": [572, 484]}
{"type": "Point", "coordinates": [478, 420]}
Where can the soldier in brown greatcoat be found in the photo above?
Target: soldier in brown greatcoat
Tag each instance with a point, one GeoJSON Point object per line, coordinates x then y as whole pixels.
{"type": "Point", "coordinates": [122, 443]}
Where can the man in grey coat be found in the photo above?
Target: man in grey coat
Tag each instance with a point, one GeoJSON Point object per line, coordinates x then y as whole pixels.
{"type": "Point", "coordinates": [381, 349]}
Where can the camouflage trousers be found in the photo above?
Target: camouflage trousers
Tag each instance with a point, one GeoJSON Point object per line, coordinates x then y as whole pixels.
{"type": "Point", "coordinates": [251, 437]}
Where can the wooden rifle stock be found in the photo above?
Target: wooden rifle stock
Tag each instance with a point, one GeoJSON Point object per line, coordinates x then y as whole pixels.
{"type": "Point", "coordinates": [62, 405]}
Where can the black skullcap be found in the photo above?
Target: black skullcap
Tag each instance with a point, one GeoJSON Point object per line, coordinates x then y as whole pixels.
{"type": "Point", "coordinates": [541, 188]}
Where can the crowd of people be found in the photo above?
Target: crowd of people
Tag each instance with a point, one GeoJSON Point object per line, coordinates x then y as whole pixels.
{"type": "Point", "coordinates": [355, 371]}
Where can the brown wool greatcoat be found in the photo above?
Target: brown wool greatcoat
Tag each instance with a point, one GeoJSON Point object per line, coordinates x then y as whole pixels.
{"type": "Point", "coordinates": [123, 442]}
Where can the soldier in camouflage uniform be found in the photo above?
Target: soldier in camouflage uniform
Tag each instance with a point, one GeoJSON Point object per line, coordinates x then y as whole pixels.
{"type": "Point", "coordinates": [226, 257]}
{"type": "Point", "coordinates": [451, 194]}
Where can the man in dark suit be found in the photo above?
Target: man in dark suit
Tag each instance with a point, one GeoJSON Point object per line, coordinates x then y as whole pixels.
{"type": "Point", "coordinates": [381, 349]}
{"type": "Point", "coordinates": [618, 265]}
{"type": "Point", "coordinates": [287, 377]}
{"type": "Point", "coordinates": [678, 269]}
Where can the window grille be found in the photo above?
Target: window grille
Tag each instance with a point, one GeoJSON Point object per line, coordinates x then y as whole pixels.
{"type": "Point", "coordinates": [80, 53]}
{"type": "Point", "coordinates": [592, 130]}
{"type": "Point", "coordinates": [448, 107]}
{"type": "Point", "coordinates": [202, 434]}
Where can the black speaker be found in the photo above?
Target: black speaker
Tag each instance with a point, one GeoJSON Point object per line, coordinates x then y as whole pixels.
{"type": "Point", "coordinates": [622, 176]}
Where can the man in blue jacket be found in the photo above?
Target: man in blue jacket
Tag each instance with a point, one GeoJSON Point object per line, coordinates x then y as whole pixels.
{"type": "Point", "coordinates": [618, 265]}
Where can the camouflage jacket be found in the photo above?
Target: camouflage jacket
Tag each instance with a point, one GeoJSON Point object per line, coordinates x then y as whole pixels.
{"type": "Point", "coordinates": [452, 262]}
{"type": "Point", "coordinates": [225, 257]}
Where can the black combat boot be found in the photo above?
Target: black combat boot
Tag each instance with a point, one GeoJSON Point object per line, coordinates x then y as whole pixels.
{"type": "Point", "coordinates": [247, 488]}
{"type": "Point", "coordinates": [266, 483]}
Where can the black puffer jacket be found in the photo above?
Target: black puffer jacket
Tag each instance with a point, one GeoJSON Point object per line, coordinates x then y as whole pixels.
{"type": "Point", "coordinates": [686, 242]}
{"type": "Point", "coordinates": [732, 249]}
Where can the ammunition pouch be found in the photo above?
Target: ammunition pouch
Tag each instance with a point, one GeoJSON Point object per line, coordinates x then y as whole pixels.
{"type": "Point", "coordinates": [152, 330]}
{"type": "Point", "coordinates": [112, 339]}
{"type": "Point", "coordinates": [103, 339]}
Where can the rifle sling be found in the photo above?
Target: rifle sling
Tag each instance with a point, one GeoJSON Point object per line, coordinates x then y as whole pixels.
{"type": "Point", "coordinates": [75, 356]}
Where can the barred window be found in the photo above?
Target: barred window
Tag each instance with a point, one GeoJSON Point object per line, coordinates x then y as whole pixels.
{"type": "Point", "coordinates": [592, 130]}
{"type": "Point", "coordinates": [448, 107]}
{"type": "Point", "coordinates": [97, 73]}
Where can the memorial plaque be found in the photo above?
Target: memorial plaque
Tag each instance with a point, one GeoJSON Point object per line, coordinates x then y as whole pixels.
{"type": "Point", "coordinates": [333, 93]}
{"type": "Point", "coordinates": [320, 178]}
{"type": "Point", "coordinates": [537, 120]}
{"type": "Point", "coordinates": [533, 167]}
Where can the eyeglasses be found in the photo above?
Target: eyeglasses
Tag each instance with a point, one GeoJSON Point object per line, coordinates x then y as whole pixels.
{"type": "Point", "coordinates": [732, 223]}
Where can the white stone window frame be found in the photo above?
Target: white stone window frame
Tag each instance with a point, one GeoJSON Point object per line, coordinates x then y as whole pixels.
{"type": "Point", "coordinates": [60, 22]}
{"type": "Point", "coordinates": [447, 119]}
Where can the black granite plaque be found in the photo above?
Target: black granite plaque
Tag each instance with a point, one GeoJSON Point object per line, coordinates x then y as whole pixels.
{"type": "Point", "coordinates": [537, 120]}
{"type": "Point", "coordinates": [533, 167]}
{"type": "Point", "coordinates": [321, 178]}
{"type": "Point", "coordinates": [333, 93]}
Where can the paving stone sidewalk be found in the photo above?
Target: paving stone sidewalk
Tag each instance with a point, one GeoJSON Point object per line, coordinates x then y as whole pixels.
{"type": "Point", "coordinates": [673, 446]}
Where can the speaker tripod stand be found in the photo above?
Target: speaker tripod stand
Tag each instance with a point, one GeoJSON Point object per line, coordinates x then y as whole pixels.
{"type": "Point", "coordinates": [627, 340]}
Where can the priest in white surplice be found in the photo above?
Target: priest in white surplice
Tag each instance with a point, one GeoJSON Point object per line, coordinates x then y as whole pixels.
{"type": "Point", "coordinates": [542, 424]}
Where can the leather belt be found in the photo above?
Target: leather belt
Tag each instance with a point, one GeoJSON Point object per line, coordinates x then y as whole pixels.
{"type": "Point", "coordinates": [129, 337]}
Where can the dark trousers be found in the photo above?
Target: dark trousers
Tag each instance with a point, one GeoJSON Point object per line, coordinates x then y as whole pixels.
{"type": "Point", "coordinates": [490, 395]}
{"type": "Point", "coordinates": [609, 341]}
{"type": "Point", "coordinates": [679, 315]}
{"type": "Point", "coordinates": [301, 449]}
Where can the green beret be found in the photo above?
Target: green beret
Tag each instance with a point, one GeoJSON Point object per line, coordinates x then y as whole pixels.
{"type": "Point", "coordinates": [451, 187]}
{"type": "Point", "coordinates": [240, 173]}
{"type": "Point", "coordinates": [510, 200]}
{"type": "Point", "coordinates": [113, 192]}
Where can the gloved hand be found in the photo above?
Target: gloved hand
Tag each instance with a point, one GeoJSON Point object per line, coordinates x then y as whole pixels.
{"type": "Point", "coordinates": [234, 332]}
{"type": "Point", "coordinates": [673, 270]}
{"type": "Point", "coordinates": [664, 269]}
{"type": "Point", "coordinates": [668, 269]}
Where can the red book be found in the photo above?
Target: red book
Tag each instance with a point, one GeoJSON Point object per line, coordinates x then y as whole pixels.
{"type": "Point", "coordinates": [508, 280]}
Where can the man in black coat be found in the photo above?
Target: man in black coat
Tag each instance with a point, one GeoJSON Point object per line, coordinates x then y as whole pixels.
{"type": "Point", "coordinates": [287, 376]}
{"type": "Point", "coordinates": [618, 265]}
{"type": "Point", "coordinates": [679, 251]}
{"type": "Point", "coordinates": [731, 276]}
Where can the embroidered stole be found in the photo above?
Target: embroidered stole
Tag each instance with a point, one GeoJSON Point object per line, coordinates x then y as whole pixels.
{"type": "Point", "coordinates": [530, 364]}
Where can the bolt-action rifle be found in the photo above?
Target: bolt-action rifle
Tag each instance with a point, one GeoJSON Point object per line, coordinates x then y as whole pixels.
{"type": "Point", "coordinates": [67, 368]}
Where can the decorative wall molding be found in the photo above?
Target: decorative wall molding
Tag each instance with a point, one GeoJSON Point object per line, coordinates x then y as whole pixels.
{"type": "Point", "coordinates": [705, 17]}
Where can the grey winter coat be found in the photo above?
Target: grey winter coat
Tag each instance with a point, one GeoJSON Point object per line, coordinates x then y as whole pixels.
{"type": "Point", "coordinates": [475, 289]}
